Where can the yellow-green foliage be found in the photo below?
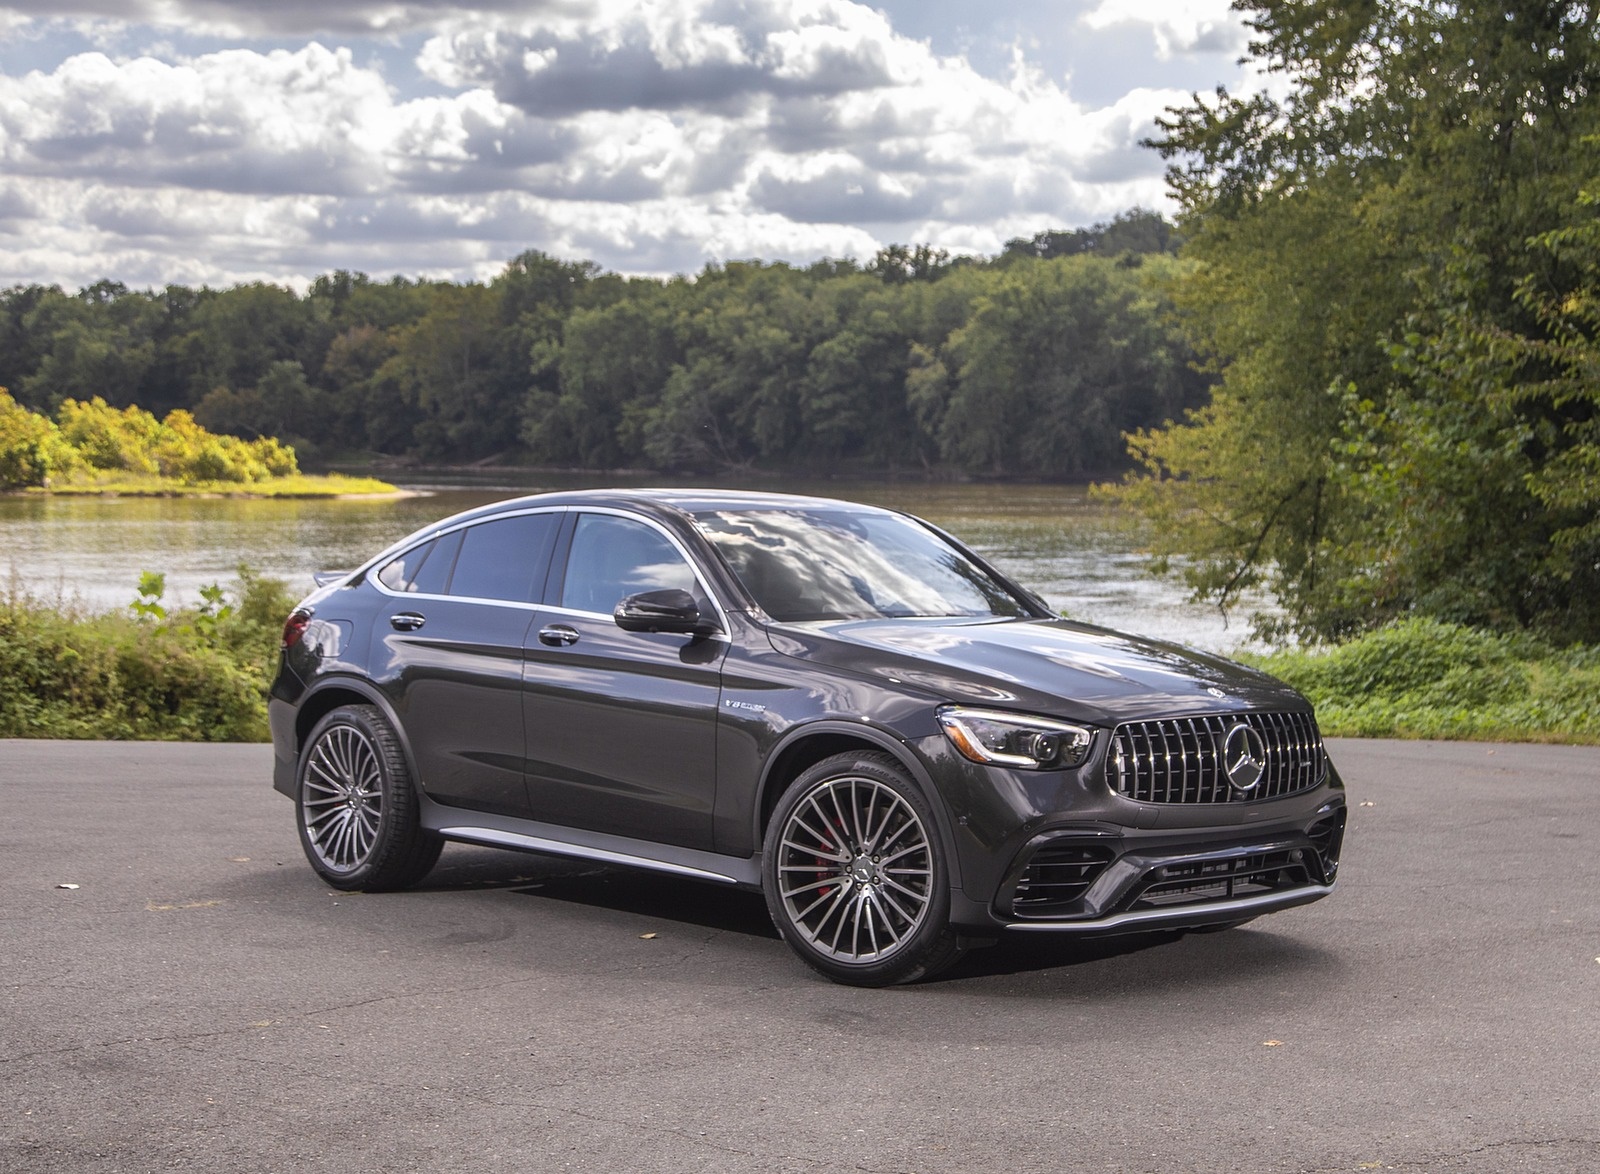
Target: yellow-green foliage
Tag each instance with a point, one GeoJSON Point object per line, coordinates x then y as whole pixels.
{"type": "Point", "coordinates": [188, 674]}
{"type": "Point", "coordinates": [108, 438]}
{"type": "Point", "coordinates": [1420, 678]}
{"type": "Point", "coordinates": [299, 485]}
{"type": "Point", "coordinates": [32, 449]}
{"type": "Point", "coordinates": [132, 440]}
{"type": "Point", "coordinates": [90, 440]}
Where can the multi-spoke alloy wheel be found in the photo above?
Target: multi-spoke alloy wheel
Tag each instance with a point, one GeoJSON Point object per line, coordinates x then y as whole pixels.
{"type": "Point", "coordinates": [343, 797]}
{"type": "Point", "coordinates": [855, 877]}
{"type": "Point", "coordinates": [358, 811]}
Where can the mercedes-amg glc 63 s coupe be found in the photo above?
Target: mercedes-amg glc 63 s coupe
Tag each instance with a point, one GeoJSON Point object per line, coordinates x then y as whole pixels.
{"type": "Point", "coordinates": [838, 705]}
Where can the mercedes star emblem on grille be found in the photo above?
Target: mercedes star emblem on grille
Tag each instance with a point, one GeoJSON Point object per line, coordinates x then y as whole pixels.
{"type": "Point", "coordinates": [1244, 756]}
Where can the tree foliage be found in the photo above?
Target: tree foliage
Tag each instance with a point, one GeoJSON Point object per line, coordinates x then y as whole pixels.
{"type": "Point", "coordinates": [1391, 270]}
{"type": "Point", "coordinates": [899, 363]}
{"type": "Point", "coordinates": [96, 438]}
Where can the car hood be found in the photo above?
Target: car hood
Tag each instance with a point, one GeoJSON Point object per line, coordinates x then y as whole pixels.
{"type": "Point", "coordinates": [1053, 667]}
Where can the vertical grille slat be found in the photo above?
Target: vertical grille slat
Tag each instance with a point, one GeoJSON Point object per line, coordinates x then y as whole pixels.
{"type": "Point", "coordinates": [1180, 760]}
{"type": "Point", "coordinates": [1166, 762]}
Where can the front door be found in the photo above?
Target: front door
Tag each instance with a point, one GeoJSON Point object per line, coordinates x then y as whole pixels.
{"type": "Point", "coordinates": [621, 726]}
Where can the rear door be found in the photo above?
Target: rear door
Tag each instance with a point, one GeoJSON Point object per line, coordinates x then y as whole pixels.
{"type": "Point", "coordinates": [621, 726]}
{"type": "Point", "coordinates": [452, 655]}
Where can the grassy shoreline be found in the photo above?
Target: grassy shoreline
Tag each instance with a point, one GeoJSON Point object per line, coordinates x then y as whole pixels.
{"type": "Point", "coordinates": [298, 485]}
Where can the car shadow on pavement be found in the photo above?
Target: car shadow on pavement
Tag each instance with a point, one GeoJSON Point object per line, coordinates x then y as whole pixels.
{"type": "Point", "coordinates": [622, 890]}
{"type": "Point", "coordinates": [1180, 959]}
{"type": "Point", "coordinates": [1174, 958]}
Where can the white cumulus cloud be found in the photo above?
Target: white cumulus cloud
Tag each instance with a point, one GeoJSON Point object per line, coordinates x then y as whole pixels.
{"type": "Point", "coordinates": [1179, 26]}
{"type": "Point", "coordinates": [648, 135]}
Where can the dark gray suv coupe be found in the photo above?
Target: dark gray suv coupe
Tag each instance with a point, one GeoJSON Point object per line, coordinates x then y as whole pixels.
{"type": "Point", "coordinates": [839, 705]}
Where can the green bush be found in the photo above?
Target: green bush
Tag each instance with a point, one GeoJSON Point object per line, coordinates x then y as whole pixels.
{"type": "Point", "coordinates": [110, 438]}
{"type": "Point", "coordinates": [1421, 678]}
{"type": "Point", "coordinates": [190, 674]}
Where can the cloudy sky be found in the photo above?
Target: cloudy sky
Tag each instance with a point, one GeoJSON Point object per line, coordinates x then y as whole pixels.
{"type": "Point", "coordinates": [216, 141]}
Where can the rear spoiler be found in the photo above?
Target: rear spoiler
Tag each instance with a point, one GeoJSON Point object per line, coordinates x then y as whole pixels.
{"type": "Point", "coordinates": [323, 578]}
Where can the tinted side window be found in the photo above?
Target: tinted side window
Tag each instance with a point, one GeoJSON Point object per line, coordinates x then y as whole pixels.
{"type": "Point", "coordinates": [433, 575]}
{"type": "Point", "coordinates": [614, 557]}
{"type": "Point", "coordinates": [399, 573]}
{"type": "Point", "coordinates": [505, 558]}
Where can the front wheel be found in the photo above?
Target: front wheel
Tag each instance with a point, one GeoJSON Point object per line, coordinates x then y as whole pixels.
{"type": "Point", "coordinates": [356, 806]}
{"type": "Point", "coordinates": [855, 876]}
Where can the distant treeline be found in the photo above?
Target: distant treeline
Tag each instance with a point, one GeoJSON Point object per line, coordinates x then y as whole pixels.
{"type": "Point", "coordinates": [1030, 363]}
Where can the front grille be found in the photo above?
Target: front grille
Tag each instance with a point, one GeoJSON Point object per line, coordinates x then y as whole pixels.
{"type": "Point", "coordinates": [1199, 882]}
{"type": "Point", "coordinates": [1056, 877]}
{"type": "Point", "coordinates": [1180, 760]}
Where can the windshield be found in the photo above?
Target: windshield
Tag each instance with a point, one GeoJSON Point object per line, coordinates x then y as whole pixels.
{"type": "Point", "coordinates": [840, 564]}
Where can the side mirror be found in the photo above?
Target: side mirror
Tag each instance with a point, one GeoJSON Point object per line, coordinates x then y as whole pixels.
{"type": "Point", "coordinates": [671, 610]}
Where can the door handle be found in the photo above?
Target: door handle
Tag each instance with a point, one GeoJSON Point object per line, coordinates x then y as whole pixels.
{"type": "Point", "coordinates": [407, 621]}
{"type": "Point", "coordinates": [558, 635]}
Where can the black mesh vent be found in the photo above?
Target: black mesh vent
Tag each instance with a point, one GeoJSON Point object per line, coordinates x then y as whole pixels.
{"type": "Point", "coordinates": [1327, 837]}
{"type": "Point", "coordinates": [1057, 877]}
{"type": "Point", "coordinates": [1199, 882]}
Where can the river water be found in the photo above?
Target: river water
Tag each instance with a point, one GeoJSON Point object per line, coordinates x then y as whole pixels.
{"type": "Point", "coordinates": [1080, 554]}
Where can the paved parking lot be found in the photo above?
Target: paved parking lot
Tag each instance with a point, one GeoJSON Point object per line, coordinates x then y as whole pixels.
{"type": "Point", "coordinates": [199, 1000]}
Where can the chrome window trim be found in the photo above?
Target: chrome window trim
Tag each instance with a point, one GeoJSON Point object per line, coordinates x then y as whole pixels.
{"type": "Point", "coordinates": [433, 535]}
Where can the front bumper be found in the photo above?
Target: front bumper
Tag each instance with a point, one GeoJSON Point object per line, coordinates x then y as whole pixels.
{"type": "Point", "coordinates": [1063, 853]}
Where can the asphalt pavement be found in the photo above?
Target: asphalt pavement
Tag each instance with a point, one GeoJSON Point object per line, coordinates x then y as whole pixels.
{"type": "Point", "coordinates": [199, 1000]}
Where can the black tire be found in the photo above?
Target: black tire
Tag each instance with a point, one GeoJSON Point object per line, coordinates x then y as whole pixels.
{"type": "Point", "coordinates": [355, 805]}
{"type": "Point", "coordinates": [854, 873]}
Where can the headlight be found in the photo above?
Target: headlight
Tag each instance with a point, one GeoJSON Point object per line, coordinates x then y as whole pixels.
{"type": "Point", "coordinates": [1010, 739]}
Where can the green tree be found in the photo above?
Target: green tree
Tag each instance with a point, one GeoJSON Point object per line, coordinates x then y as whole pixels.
{"type": "Point", "coordinates": [283, 405]}
{"type": "Point", "coordinates": [736, 400]}
{"type": "Point", "coordinates": [236, 335]}
{"type": "Point", "coordinates": [453, 366]}
{"type": "Point", "coordinates": [1058, 359]}
{"type": "Point", "coordinates": [1360, 246]}
{"type": "Point", "coordinates": [853, 404]}
{"type": "Point", "coordinates": [612, 365]}
{"type": "Point", "coordinates": [21, 347]}
{"type": "Point", "coordinates": [1137, 231]}
{"type": "Point", "coordinates": [101, 342]}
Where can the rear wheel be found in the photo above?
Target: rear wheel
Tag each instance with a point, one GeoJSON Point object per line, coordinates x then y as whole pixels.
{"type": "Point", "coordinates": [855, 874]}
{"type": "Point", "coordinates": [356, 806]}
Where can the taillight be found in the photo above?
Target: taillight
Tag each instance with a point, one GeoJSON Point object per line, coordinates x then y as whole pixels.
{"type": "Point", "coordinates": [295, 626]}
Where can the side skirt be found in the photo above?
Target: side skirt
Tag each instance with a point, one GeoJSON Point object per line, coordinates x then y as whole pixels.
{"type": "Point", "coordinates": [525, 835]}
